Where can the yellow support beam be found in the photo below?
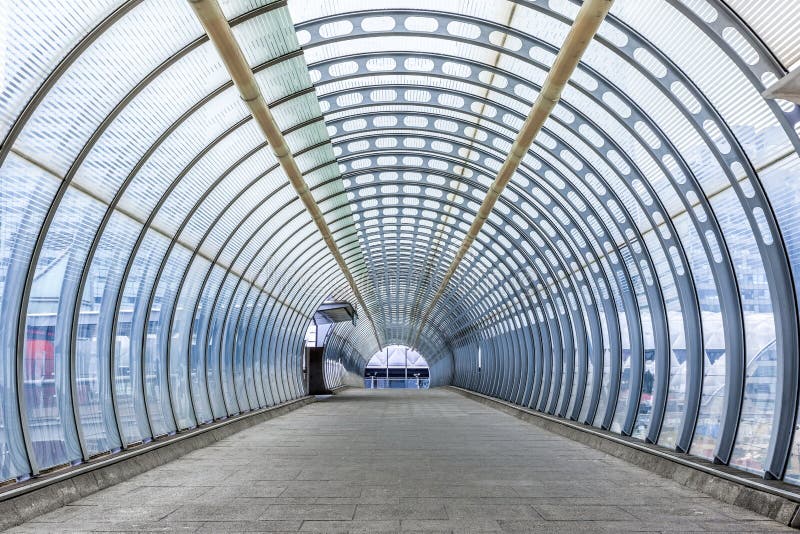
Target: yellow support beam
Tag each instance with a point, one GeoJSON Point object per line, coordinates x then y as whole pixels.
{"type": "Point", "coordinates": [219, 32]}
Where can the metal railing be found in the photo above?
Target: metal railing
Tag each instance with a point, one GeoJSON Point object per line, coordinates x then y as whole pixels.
{"type": "Point", "coordinates": [373, 382]}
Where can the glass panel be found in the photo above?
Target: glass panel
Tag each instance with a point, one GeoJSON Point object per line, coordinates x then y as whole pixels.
{"type": "Point", "coordinates": [216, 334]}
{"type": "Point", "coordinates": [203, 341]}
{"type": "Point", "coordinates": [713, 393]}
{"type": "Point", "coordinates": [777, 32]}
{"type": "Point", "coordinates": [159, 406]}
{"type": "Point", "coordinates": [77, 104]}
{"type": "Point", "coordinates": [94, 342]}
{"type": "Point", "coordinates": [606, 374]}
{"type": "Point", "coordinates": [783, 189]}
{"type": "Point", "coordinates": [180, 339]}
{"type": "Point", "coordinates": [132, 323]}
{"type": "Point", "coordinates": [676, 388]}
{"type": "Point", "coordinates": [761, 359]}
{"type": "Point", "coordinates": [34, 41]}
{"type": "Point", "coordinates": [230, 342]}
{"type": "Point", "coordinates": [238, 330]}
{"type": "Point", "coordinates": [48, 394]}
{"type": "Point", "coordinates": [25, 193]}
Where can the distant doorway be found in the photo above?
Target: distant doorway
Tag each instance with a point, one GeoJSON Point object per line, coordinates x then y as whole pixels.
{"type": "Point", "coordinates": [397, 366]}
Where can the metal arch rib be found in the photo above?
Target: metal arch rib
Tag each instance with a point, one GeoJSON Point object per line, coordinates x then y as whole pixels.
{"type": "Point", "coordinates": [586, 24]}
{"type": "Point", "coordinates": [219, 31]}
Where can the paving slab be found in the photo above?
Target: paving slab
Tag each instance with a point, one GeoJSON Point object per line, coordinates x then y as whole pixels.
{"type": "Point", "coordinates": [395, 460]}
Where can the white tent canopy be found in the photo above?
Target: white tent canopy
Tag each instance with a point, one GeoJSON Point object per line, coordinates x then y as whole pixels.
{"type": "Point", "coordinates": [398, 356]}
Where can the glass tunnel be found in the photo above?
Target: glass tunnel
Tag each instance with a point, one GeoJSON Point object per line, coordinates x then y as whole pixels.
{"type": "Point", "coordinates": [162, 258]}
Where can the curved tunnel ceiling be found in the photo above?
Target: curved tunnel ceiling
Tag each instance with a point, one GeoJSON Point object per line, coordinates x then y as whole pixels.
{"type": "Point", "coordinates": [639, 221]}
{"type": "Point", "coordinates": [636, 274]}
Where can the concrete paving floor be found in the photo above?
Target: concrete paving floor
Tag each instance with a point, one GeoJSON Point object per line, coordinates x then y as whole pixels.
{"type": "Point", "coordinates": [391, 460]}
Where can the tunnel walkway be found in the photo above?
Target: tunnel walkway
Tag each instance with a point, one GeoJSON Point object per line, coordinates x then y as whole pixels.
{"type": "Point", "coordinates": [389, 460]}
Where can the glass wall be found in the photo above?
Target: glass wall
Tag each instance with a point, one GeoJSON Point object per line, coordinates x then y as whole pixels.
{"type": "Point", "coordinates": [153, 259]}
